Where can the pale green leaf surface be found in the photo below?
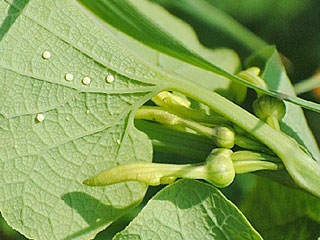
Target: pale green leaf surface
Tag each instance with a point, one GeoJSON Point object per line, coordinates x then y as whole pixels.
{"type": "Point", "coordinates": [294, 122]}
{"type": "Point", "coordinates": [224, 58]}
{"type": "Point", "coordinates": [172, 24]}
{"type": "Point", "coordinates": [86, 128]}
{"type": "Point", "coordinates": [125, 17]}
{"type": "Point", "coordinates": [189, 209]}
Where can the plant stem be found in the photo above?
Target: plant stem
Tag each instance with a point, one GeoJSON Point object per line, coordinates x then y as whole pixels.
{"type": "Point", "coordinates": [301, 167]}
{"type": "Point", "coordinates": [164, 116]}
{"type": "Point", "coordinates": [221, 136]}
{"type": "Point", "coordinates": [181, 107]}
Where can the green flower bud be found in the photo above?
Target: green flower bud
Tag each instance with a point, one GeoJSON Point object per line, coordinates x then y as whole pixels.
{"type": "Point", "coordinates": [252, 76]}
{"type": "Point", "coordinates": [266, 106]}
{"type": "Point", "coordinates": [167, 99]}
{"type": "Point", "coordinates": [223, 137]}
{"type": "Point", "coordinates": [220, 170]}
{"type": "Point", "coordinates": [247, 161]}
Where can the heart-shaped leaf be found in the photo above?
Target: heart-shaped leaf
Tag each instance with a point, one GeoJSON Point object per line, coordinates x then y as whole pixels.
{"type": "Point", "coordinates": [68, 95]}
{"type": "Point", "coordinates": [189, 209]}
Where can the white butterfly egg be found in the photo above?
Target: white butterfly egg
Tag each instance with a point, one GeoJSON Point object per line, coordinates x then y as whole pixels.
{"type": "Point", "coordinates": [86, 81]}
{"type": "Point", "coordinates": [68, 77]}
{"type": "Point", "coordinates": [110, 78]}
{"type": "Point", "coordinates": [40, 117]}
{"type": "Point", "coordinates": [46, 54]}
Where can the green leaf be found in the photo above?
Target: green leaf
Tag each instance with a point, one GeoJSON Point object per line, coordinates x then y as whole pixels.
{"type": "Point", "coordinates": [218, 21]}
{"type": "Point", "coordinates": [86, 128]}
{"type": "Point", "coordinates": [276, 211]}
{"type": "Point", "coordinates": [280, 213]}
{"type": "Point", "coordinates": [125, 16]}
{"type": "Point", "coordinates": [226, 59]}
{"type": "Point", "coordinates": [294, 123]}
{"type": "Point", "coordinates": [189, 209]}
{"type": "Point", "coordinates": [300, 229]}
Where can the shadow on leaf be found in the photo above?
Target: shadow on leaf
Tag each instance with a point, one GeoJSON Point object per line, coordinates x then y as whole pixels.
{"type": "Point", "coordinates": [185, 193]}
{"type": "Point", "coordinates": [83, 204]}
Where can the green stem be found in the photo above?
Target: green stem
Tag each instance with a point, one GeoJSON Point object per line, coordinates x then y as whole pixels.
{"type": "Point", "coordinates": [221, 136]}
{"type": "Point", "coordinates": [181, 107]}
{"type": "Point", "coordinates": [301, 167]}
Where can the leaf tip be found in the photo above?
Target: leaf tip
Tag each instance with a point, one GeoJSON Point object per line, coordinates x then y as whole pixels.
{"type": "Point", "coordinates": [87, 182]}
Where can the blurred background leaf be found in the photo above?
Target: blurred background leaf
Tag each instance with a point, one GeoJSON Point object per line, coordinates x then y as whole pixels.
{"type": "Point", "coordinates": [292, 25]}
{"type": "Point", "coordinates": [278, 212]}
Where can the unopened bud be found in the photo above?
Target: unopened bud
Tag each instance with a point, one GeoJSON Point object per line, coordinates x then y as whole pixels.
{"type": "Point", "coordinates": [223, 137]}
{"type": "Point", "coordinates": [266, 106]}
{"type": "Point", "coordinates": [220, 170]}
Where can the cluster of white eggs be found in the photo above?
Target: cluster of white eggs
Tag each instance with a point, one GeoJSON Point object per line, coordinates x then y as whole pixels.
{"type": "Point", "coordinates": [69, 77]}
